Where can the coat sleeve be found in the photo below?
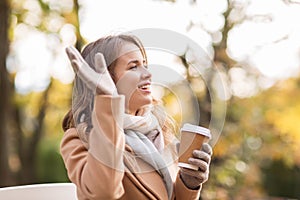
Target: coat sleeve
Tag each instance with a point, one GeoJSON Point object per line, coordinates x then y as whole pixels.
{"type": "Point", "coordinates": [98, 172]}
{"type": "Point", "coordinates": [181, 192]}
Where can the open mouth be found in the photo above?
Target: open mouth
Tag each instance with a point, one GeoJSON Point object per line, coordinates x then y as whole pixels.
{"type": "Point", "coordinates": [145, 87]}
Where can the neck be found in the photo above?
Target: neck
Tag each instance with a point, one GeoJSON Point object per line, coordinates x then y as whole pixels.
{"type": "Point", "coordinates": [131, 112]}
{"type": "Point", "coordinates": [137, 111]}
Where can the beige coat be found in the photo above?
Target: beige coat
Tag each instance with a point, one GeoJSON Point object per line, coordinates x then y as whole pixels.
{"type": "Point", "coordinates": [102, 172]}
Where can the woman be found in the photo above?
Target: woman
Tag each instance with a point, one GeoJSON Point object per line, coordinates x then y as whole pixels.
{"type": "Point", "coordinates": [118, 143]}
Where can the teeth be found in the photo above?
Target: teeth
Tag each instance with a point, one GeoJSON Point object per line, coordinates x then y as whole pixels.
{"type": "Point", "coordinates": [144, 87]}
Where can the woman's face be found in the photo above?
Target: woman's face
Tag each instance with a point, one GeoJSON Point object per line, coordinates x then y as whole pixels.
{"type": "Point", "coordinates": [132, 78]}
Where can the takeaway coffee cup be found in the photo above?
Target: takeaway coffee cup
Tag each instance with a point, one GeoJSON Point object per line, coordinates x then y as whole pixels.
{"type": "Point", "coordinates": [192, 137]}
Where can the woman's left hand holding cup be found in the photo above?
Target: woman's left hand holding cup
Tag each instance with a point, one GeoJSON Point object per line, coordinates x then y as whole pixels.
{"type": "Point", "coordinates": [201, 158]}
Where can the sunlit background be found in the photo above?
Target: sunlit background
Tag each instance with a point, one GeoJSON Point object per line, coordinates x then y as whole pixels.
{"type": "Point", "coordinates": [254, 46]}
{"type": "Point", "coordinates": [267, 37]}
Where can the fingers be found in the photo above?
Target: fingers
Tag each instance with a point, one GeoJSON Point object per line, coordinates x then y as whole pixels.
{"type": "Point", "coordinates": [100, 64]}
{"type": "Point", "coordinates": [98, 80]}
{"type": "Point", "coordinates": [201, 155]}
{"type": "Point", "coordinates": [74, 57]}
{"type": "Point", "coordinates": [201, 164]}
{"type": "Point", "coordinates": [202, 158]}
{"type": "Point", "coordinates": [189, 172]}
{"type": "Point", "coordinates": [75, 65]}
{"type": "Point", "coordinates": [195, 173]}
{"type": "Point", "coordinates": [193, 178]}
{"type": "Point", "coordinates": [73, 53]}
{"type": "Point", "coordinates": [82, 69]}
{"type": "Point", "coordinates": [207, 148]}
{"type": "Point", "coordinates": [77, 61]}
{"type": "Point", "coordinates": [69, 53]}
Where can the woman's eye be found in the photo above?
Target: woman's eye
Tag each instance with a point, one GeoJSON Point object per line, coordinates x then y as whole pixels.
{"type": "Point", "coordinates": [133, 67]}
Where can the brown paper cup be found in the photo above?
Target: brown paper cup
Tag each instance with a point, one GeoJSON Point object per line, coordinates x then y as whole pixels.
{"type": "Point", "coordinates": [192, 138]}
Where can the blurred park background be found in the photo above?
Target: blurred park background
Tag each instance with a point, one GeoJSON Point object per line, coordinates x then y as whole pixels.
{"type": "Point", "coordinates": [254, 46]}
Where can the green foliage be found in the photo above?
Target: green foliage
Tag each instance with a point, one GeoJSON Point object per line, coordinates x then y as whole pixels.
{"type": "Point", "coordinates": [281, 180]}
{"type": "Point", "coordinates": [50, 166]}
{"type": "Point", "coordinates": [258, 150]}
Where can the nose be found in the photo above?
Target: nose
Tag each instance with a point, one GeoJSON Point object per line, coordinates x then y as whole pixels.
{"type": "Point", "coordinates": [146, 74]}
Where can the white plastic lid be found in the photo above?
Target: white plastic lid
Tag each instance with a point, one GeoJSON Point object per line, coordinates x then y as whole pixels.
{"type": "Point", "coordinates": [196, 129]}
{"type": "Point", "coordinates": [189, 166]}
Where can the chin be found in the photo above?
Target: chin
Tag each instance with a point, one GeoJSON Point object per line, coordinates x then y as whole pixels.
{"type": "Point", "coordinates": [141, 102]}
{"type": "Point", "coordinates": [149, 99]}
{"type": "Point", "coordinates": [146, 102]}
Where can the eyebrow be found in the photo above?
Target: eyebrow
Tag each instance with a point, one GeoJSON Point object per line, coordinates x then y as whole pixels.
{"type": "Point", "coordinates": [135, 61]}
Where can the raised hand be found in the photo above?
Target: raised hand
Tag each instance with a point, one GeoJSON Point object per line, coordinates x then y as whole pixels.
{"type": "Point", "coordinates": [201, 158]}
{"type": "Point", "coordinates": [98, 81]}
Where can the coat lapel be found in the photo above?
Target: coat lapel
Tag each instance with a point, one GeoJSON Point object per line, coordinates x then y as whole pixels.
{"type": "Point", "coordinates": [143, 175]}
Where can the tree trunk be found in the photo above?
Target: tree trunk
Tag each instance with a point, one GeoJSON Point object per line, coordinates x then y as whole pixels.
{"type": "Point", "coordinates": [28, 151]}
{"type": "Point", "coordinates": [80, 41]}
{"type": "Point", "coordinates": [5, 99]}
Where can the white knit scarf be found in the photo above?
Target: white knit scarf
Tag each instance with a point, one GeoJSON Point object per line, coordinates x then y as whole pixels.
{"type": "Point", "coordinates": [147, 124]}
{"type": "Point", "coordinates": [144, 135]}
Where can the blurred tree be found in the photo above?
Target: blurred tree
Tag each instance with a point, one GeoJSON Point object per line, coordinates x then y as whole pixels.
{"type": "Point", "coordinates": [259, 129]}
{"type": "Point", "coordinates": [28, 118]}
{"type": "Point", "coordinates": [260, 144]}
{"type": "Point", "coordinates": [6, 86]}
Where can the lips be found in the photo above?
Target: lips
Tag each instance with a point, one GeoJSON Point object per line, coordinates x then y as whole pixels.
{"type": "Point", "coordinates": [146, 87]}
